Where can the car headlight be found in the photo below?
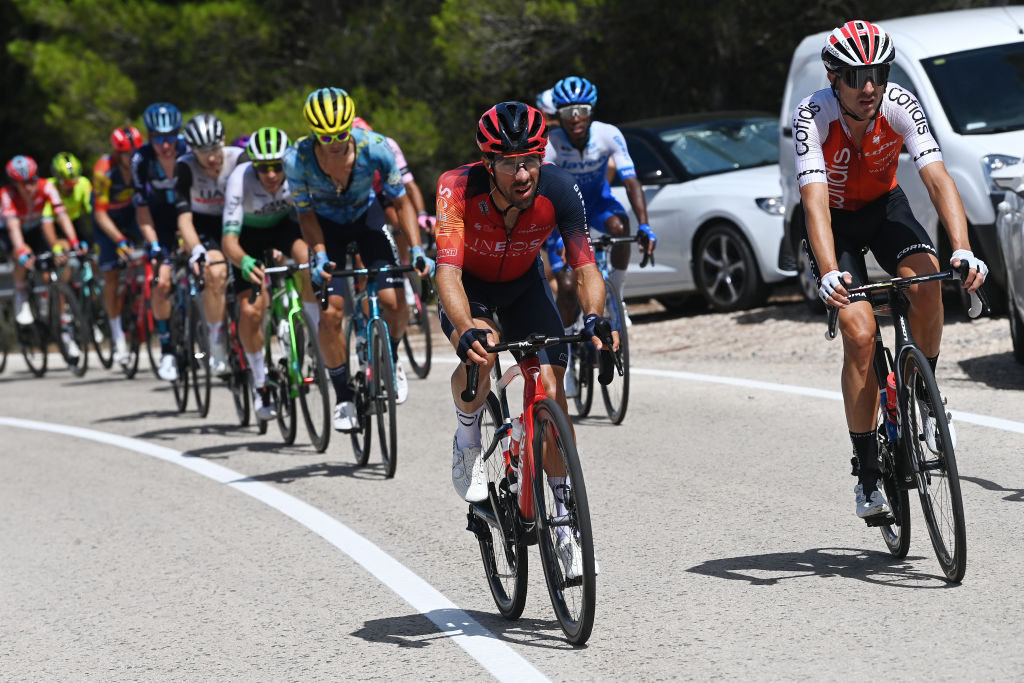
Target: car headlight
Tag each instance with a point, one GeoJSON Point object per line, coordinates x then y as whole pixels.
{"type": "Point", "coordinates": [772, 205]}
{"type": "Point", "coordinates": [995, 162]}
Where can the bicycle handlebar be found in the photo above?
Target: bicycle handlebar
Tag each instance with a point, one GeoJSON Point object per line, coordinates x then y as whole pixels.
{"type": "Point", "coordinates": [537, 341]}
{"type": "Point", "coordinates": [352, 272]}
{"type": "Point", "coordinates": [979, 300]}
{"type": "Point", "coordinates": [606, 241]}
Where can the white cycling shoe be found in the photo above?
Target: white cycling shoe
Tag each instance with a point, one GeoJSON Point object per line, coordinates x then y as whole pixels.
{"type": "Point", "coordinates": [24, 315]}
{"type": "Point", "coordinates": [870, 506]}
{"type": "Point", "coordinates": [121, 356]}
{"type": "Point", "coordinates": [345, 418]}
{"type": "Point", "coordinates": [570, 554]}
{"type": "Point", "coordinates": [931, 438]}
{"type": "Point", "coordinates": [168, 368]}
{"type": "Point", "coordinates": [468, 474]}
{"type": "Point", "coordinates": [401, 383]}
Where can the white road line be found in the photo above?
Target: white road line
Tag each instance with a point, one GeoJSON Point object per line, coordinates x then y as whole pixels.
{"type": "Point", "coordinates": [487, 649]}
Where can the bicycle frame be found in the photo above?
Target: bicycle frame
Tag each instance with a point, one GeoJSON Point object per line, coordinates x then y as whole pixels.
{"type": "Point", "coordinates": [285, 304]}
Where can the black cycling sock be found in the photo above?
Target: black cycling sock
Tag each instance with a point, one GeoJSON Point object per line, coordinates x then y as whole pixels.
{"type": "Point", "coordinates": [339, 378]}
{"type": "Point", "coordinates": [865, 450]}
{"type": "Point", "coordinates": [163, 331]}
{"type": "Point", "coordinates": [919, 391]}
{"type": "Point", "coordinates": [394, 347]}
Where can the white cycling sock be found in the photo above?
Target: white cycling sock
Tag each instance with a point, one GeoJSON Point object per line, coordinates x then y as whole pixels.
{"type": "Point", "coordinates": [617, 278]}
{"type": "Point", "coordinates": [215, 330]}
{"type": "Point", "coordinates": [258, 369]}
{"type": "Point", "coordinates": [116, 331]}
{"type": "Point", "coordinates": [312, 309]}
{"type": "Point", "coordinates": [557, 484]}
{"type": "Point", "coordinates": [468, 431]}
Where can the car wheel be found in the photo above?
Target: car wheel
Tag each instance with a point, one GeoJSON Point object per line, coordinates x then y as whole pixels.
{"type": "Point", "coordinates": [1016, 329]}
{"type": "Point", "coordinates": [726, 271]}
{"type": "Point", "coordinates": [807, 282]}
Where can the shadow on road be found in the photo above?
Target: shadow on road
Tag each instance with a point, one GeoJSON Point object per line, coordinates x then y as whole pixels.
{"type": "Point", "coordinates": [848, 563]}
{"type": "Point", "coordinates": [135, 417]}
{"type": "Point", "coordinates": [197, 429]}
{"type": "Point", "coordinates": [997, 370]}
{"type": "Point", "coordinates": [320, 469]}
{"type": "Point", "coordinates": [417, 630]}
{"type": "Point", "coordinates": [1016, 495]}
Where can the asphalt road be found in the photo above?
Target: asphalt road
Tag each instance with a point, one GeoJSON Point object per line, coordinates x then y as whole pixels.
{"type": "Point", "coordinates": [140, 544]}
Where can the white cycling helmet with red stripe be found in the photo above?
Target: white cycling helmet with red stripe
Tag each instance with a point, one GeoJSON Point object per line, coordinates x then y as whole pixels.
{"type": "Point", "coordinates": [857, 43]}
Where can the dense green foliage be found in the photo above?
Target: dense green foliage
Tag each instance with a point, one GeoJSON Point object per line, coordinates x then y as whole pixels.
{"type": "Point", "coordinates": [418, 69]}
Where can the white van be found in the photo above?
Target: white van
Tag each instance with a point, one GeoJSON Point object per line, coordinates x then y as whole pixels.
{"type": "Point", "coordinates": [967, 70]}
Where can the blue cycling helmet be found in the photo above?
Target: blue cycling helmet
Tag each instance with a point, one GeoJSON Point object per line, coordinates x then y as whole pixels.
{"type": "Point", "coordinates": [162, 117]}
{"type": "Point", "coordinates": [574, 90]}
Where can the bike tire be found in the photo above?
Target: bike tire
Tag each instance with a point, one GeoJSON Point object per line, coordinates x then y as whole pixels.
{"type": "Point", "coordinates": [897, 534]}
{"type": "Point", "coordinates": [198, 357]}
{"type": "Point", "coordinates": [78, 325]}
{"type": "Point", "coordinates": [314, 393]}
{"type": "Point", "coordinates": [179, 346]}
{"type": "Point", "coordinates": [938, 480]}
{"type": "Point", "coordinates": [238, 377]}
{"type": "Point", "coordinates": [362, 437]}
{"type": "Point", "coordinates": [287, 418]}
{"type": "Point", "coordinates": [384, 405]}
{"type": "Point", "coordinates": [151, 339]}
{"type": "Point", "coordinates": [33, 339]}
{"type": "Point", "coordinates": [131, 318]}
{"type": "Point", "coordinates": [419, 330]}
{"type": "Point", "coordinates": [503, 546]}
{"type": "Point", "coordinates": [6, 332]}
{"type": "Point", "coordinates": [582, 367]}
{"type": "Point", "coordinates": [101, 336]}
{"type": "Point", "coordinates": [616, 393]}
{"type": "Point", "coordinates": [573, 600]}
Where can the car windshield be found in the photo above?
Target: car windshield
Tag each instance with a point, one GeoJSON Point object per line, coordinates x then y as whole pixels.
{"type": "Point", "coordinates": [982, 91]}
{"type": "Point", "coordinates": [724, 145]}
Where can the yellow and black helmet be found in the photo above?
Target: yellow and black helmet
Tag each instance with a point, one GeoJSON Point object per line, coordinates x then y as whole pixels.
{"type": "Point", "coordinates": [329, 111]}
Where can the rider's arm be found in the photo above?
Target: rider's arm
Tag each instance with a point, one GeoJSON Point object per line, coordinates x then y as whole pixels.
{"type": "Point", "coordinates": [60, 212]}
{"type": "Point", "coordinates": [453, 299]}
{"type": "Point", "coordinates": [67, 227]}
{"type": "Point", "coordinates": [311, 231]}
{"type": "Point", "coordinates": [635, 192]}
{"type": "Point", "coordinates": [407, 219]}
{"type": "Point", "coordinates": [49, 232]}
{"type": "Point", "coordinates": [944, 195]}
{"type": "Point", "coordinates": [183, 205]}
{"type": "Point", "coordinates": [143, 216]}
{"type": "Point", "coordinates": [17, 238]}
{"type": "Point", "coordinates": [107, 225]}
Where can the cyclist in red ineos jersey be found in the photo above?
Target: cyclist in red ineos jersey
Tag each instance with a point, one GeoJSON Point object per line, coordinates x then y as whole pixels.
{"type": "Point", "coordinates": [492, 219]}
{"type": "Point", "coordinates": [848, 139]}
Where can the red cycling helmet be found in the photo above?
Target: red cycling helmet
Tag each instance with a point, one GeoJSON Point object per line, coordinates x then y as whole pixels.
{"type": "Point", "coordinates": [512, 129]}
{"type": "Point", "coordinates": [126, 139]}
{"type": "Point", "coordinates": [22, 169]}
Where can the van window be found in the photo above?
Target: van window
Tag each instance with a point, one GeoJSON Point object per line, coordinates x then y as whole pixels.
{"type": "Point", "coordinates": [981, 91]}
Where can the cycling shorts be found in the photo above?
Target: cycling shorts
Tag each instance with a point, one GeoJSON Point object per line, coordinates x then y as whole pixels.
{"type": "Point", "coordinates": [886, 226]}
{"type": "Point", "coordinates": [373, 240]}
{"type": "Point", "coordinates": [256, 241]}
{"type": "Point", "coordinates": [524, 306]}
{"type": "Point", "coordinates": [600, 210]}
{"type": "Point", "coordinates": [36, 241]}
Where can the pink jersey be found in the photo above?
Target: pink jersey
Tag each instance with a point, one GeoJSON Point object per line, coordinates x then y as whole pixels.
{"type": "Point", "coordinates": [13, 206]}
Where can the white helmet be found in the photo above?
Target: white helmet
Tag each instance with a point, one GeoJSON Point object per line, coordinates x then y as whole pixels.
{"type": "Point", "coordinates": [857, 43]}
{"type": "Point", "coordinates": [546, 102]}
{"type": "Point", "coordinates": [204, 130]}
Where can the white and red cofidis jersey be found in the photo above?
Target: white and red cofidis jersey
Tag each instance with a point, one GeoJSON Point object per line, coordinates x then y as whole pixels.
{"type": "Point", "coordinates": [826, 153]}
{"type": "Point", "coordinates": [31, 216]}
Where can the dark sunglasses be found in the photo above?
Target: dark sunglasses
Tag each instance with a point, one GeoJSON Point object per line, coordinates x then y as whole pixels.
{"type": "Point", "coordinates": [337, 137]}
{"type": "Point", "coordinates": [164, 139]}
{"type": "Point", "coordinates": [268, 166]}
{"type": "Point", "coordinates": [857, 77]}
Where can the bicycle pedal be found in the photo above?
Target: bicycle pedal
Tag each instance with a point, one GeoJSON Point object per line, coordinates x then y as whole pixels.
{"type": "Point", "coordinates": [880, 520]}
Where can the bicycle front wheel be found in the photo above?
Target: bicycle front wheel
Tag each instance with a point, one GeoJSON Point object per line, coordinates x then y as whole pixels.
{"type": "Point", "coordinates": [616, 393]}
{"type": "Point", "coordinates": [501, 539]}
{"type": "Point", "coordinates": [71, 327]}
{"type": "Point", "coordinates": [563, 523]}
{"type": "Point", "coordinates": [314, 394]}
{"type": "Point", "coordinates": [897, 533]}
{"type": "Point", "coordinates": [100, 336]}
{"type": "Point", "coordinates": [134, 335]}
{"type": "Point", "coordinates": [279, 383]}
{"type": "Point", "coordinates": [938, 481]}
{"type": "Point", "coordinates": [33, 340]}
{"type": "Point", "coordinates": [384, 396]}
{"type": "Point", "coordinates": [198, 357]}
{"type": "Point", "coordinates": [581, 367]}
{"type": "Point", "coordinates": [180, 334]}
{"type": "Point", "coordinates": [416, 339]}
{"type": "Point", "coordinates": [6, 328]}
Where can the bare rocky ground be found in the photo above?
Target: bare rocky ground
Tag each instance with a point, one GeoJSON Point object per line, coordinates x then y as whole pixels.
{"type": "Point", "coordinates": [785, 331]}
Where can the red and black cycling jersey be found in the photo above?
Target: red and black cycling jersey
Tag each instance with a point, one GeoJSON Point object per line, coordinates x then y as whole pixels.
{"type": "Point", "coordinates": [471, 232]}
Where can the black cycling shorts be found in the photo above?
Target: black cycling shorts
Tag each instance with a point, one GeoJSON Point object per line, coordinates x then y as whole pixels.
{"type": "Point", "coordinates": [373, 240]}
{"type": "Point", "coordinates": [886, 226]}
{"type": "Point", "coordinates": [256, 241]}
{"type": "Point", "coordinates": [521, 307]}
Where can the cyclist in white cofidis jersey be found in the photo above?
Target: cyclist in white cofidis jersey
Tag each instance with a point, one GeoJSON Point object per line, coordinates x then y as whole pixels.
{"type": "Point", "coordinates": [847, 140]}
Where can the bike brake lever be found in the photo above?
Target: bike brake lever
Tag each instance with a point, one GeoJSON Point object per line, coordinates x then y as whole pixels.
{"type": "Point", "coordinates": [979, 300]}
{"type": "Point", "coordinates": [472, 377]}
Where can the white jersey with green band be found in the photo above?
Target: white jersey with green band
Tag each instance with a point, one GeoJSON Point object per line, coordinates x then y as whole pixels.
{"type": "Point", "coordinates": [247, 202]}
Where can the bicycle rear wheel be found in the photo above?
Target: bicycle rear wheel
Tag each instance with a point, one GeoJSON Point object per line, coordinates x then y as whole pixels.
{"type": "Point", "coordinates": [279, 383]}
{"type": "Point", "coordinates": [238, 379]}
{"type": "Point", "coordinates": [67, 318]}
{"type": "Point", "coordinates": [581, 365]}
{"type": "Point", "coordinates": [180, 348]}
{"type": "Point", "coordinates": [573, 597]}
{"type": "Point", "coordinates": [616, 393]}
{"type": "Point", "coordinates": [134, 335]}
{"type": "Point", "coordinates": [6, 332]}
{"type": "Point", "coordinates": [502, 544]}
{"type": "Point", "coordinates": [314, 394]}
{"type": "Point", "coordinates": [384, 396]}
{"type": "Point", "coordinates": [897, 534]}
{"type": "Point", "coordinates": [416, 339]}
{"type": "Point", "coordinates": [938, 481]}
{"type": "Point", "coordinates": [33, 339]}
{"type": "Point", "coordinates": [198, 357]}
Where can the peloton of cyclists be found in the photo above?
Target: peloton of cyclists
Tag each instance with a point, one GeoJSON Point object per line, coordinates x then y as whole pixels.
{"type": "Point", "coordinates": [848, 138]}
{"type": "Point", "coordinates": [259, 215]}
{"type": "Point", "coordinates": [330, 175]}
{"type": "Point", "coordinates": [200, 178]}
{"type": "Point", "coordinates": [493, 218]}
{"type": "Point", "coordinates": [153, 168]}
{"type": "Point", "coordinates": [115, 218]}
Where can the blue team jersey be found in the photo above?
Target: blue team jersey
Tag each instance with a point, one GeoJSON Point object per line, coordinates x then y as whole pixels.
{"type": "Point", "coordinates": [590, 166]}
{"type": "Point", "coordinates": [314, 191]}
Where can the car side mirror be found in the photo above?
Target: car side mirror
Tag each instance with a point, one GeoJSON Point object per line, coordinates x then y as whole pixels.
{"type": "Point", "coordinates": [656, 177]}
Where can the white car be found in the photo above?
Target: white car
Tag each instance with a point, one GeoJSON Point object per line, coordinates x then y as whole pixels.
{"type": "Point", "coordinates": [963, 67]}
{"type": "Point", "coordinates": [711, 182]}
{"type": "Point", "coordinates": [1010, 223]}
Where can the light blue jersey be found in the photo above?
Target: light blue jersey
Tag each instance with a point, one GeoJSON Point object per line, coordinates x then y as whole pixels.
{"type": "Point", "coordinates": [313, 190]}
{"type": "Point", "coordinates": [590, 167]}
